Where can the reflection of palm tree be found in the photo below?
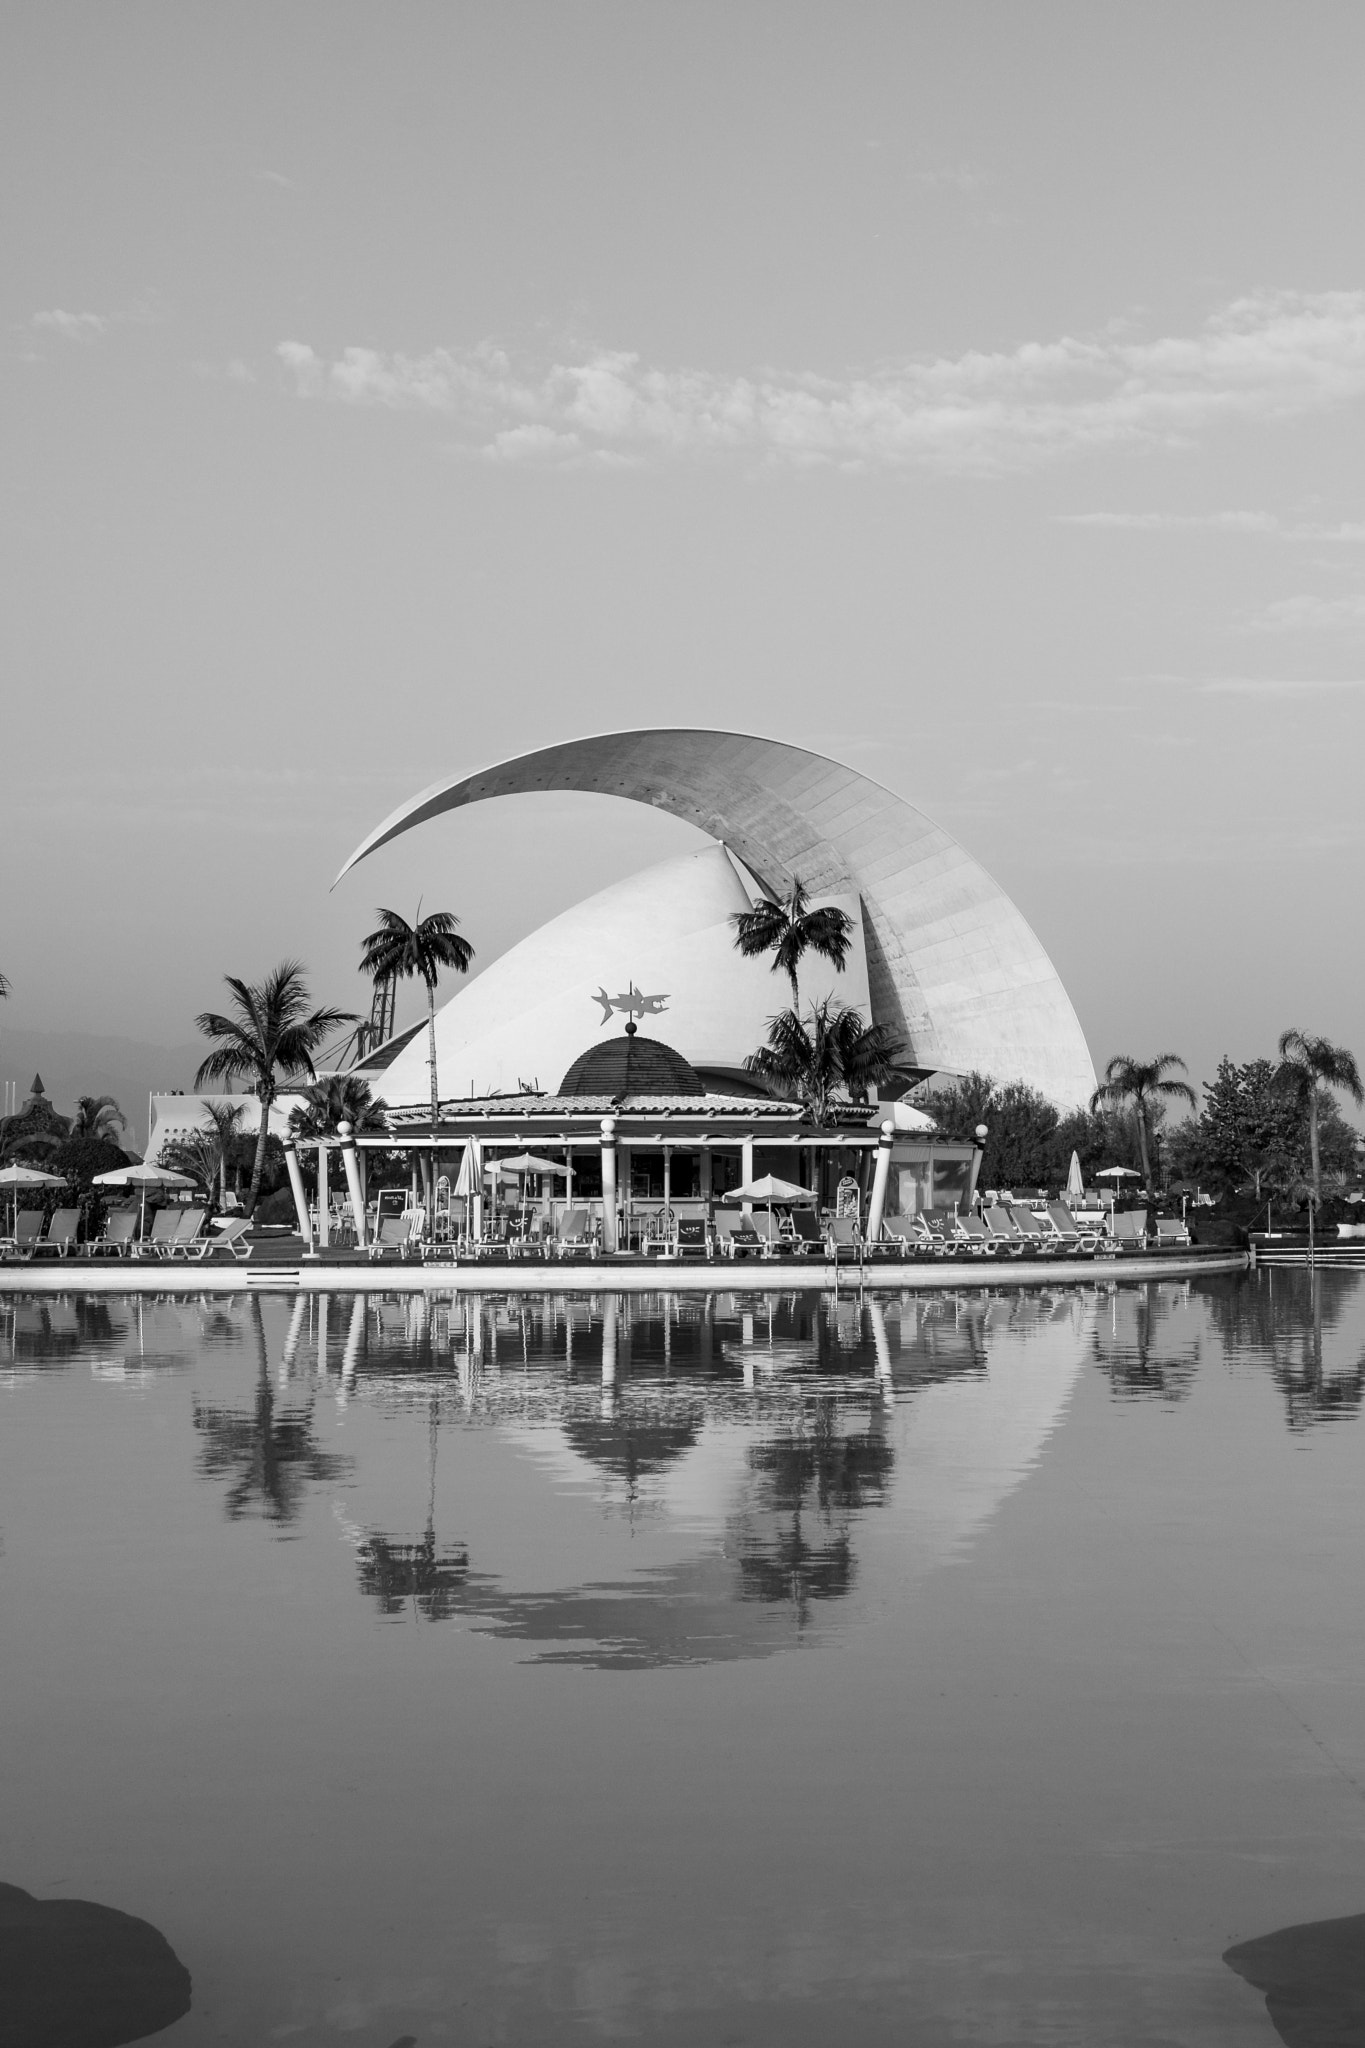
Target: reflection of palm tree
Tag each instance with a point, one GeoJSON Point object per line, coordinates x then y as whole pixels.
{"type": "Point", "coordinates": [272, 1458]}
{"type": "Point", "coordinates": [395, 1573]}
{"type": "Point", "coordinates": [824, 1471]}
{"type": "Point", "coordinates": [1141, 1362]}
{"type": "Point", "coordinates": [1310, 1393]}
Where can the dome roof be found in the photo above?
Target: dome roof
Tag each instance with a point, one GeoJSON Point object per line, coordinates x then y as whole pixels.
{"type": "Point", "coordinates": [631, 1065]}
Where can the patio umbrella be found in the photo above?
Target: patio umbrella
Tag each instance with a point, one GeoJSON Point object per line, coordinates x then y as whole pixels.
{"type": "Point", "coordinates": [143, 1177]}
{"type": "Point", "coordinates": [768, 1189]}
{"type": "Point", "coordinates": [17, 1177]}
{"type": "Point", "coordinates": [1116, 1174]}
{"type": "Point", "coordinates": [529, 1162]}
{"type": "Point", "coordinates": [1075, 1181]}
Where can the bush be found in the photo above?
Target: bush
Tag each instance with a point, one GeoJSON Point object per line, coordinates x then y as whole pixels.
{"type": "Point", "coordinates": [277, 1208]}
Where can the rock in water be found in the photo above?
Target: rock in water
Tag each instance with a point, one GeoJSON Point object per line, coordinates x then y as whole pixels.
{"type": "Point", "coordinates": [77, 1975]}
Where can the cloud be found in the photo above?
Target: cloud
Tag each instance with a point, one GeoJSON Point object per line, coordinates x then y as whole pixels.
{"type": "Point", "coordinates": [72, 326]}
{"type": "Point", "coordinates": [1352, 531]}
{"type": "Point", "coordinates": [1280, 686]}
{"type": "Point", "coordinates": [1311, 614]}
{"type": "Point", "coordinates": [1267, 357]}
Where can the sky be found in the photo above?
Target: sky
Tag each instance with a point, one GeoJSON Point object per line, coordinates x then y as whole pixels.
{"type": "Point", "coordinates": [972, 393]}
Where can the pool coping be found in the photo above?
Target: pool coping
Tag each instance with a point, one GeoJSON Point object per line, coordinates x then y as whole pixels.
{"type": "Point", "coordinates": [656, 1276]}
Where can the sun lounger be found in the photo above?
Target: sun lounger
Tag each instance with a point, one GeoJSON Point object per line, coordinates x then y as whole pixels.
{"type": "Point", "coordinates": [188, 1234]}
{"type": "Point", "coordinates": [116, 1238]}
{"type": "Point", "coordinates": [60, 1235]}
{"type": "Point", "coordinates": [807, 1238]}
{"type": "Point", "coordinates": [1075, 1234]}
{"type": "Point", "coordinates": [228, 1234]}
{"type": "Point", "coordinates": [844, 1241]}
{"type": "Point", "coordinates": [694, 1238]}
{"type": "Point", "coordinates": [914, 1239]}
{"type": "Point", "coordinates": [736, 1237]}
{"type": "Point", "coordinates": [971, 1232]}
{"type": "Point", "coordinates": [28, 1230]}
{"type": "Point", "coordinates": [1130, 1229]}
{"type": "Point", "coordinates": [393, 1237]}
{"type": "Point", "coordinates": [574, 1235]}
{"type": "Point", "coordinates": [1171, 1233]}
{"type": "Point", "coordinates": [161, 1237]}
{"type": "Point", "coordinates": [768, 1232]}
{"type": "Point", "coordinates": [1039, 1242]}
{"type": "Point", "coordinates": [1000, 1224]}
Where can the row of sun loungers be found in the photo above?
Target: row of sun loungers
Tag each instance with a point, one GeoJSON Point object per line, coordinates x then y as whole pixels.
{"type": "Point", "coordinates": [176, 1233]}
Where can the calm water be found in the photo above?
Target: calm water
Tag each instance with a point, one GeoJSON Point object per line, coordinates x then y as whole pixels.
{"type": "Point", "coordinates": [956, 1669]}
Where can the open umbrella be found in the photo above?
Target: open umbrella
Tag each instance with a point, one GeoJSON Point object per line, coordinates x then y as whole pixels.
{"type": "Point", "coordinates": [529, 1162]}
{"type": "Point", "coordinates": [144, 1177]}
{"type": "Point", "coordinates": [17, 1177]}
{"type": "Point", "coordinates": [1075, 1180]}
{"type": "Point", "coordinates": [1116, 1174]}
{"type": "Point", "coordinates": [768, 1189]}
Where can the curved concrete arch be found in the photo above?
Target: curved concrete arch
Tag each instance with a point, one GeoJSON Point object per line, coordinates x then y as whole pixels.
{"type": "Point", "coordinates": [952, 965]}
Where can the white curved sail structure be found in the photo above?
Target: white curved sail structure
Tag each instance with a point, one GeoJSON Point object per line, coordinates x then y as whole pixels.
{"type": "Point", "coordinates": [953, 968]}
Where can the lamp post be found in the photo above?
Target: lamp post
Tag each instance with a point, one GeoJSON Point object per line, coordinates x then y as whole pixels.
{"type": "Point", "coordinates": [982, 1133]}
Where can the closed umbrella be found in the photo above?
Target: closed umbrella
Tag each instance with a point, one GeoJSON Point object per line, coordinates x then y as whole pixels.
{"type": "Point", "coordinates": [17, 1177]}
{"type": "Point", "coordinates": [1075, 1182]}
{"type": "Point", "coordinates": [144, 1177]}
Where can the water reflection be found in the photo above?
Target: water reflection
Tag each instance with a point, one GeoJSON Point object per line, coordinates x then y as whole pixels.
{"type": "Point", "coordinates": [269, 1457]}
{"type": "Point", "coordinates": [1148, 1340]}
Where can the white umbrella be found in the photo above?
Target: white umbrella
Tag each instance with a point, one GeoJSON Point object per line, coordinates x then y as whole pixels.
{"type": "Point", "coordinates": [144, 1177]}
{"type": "Point", "coordinates": [528, 1162]}
{"type": "Point", "coordinates": [1116, 1174]}
{"type": "Point", "coordinates": [1075, 1182]}
{"type": "Point", "coordinates": [17, 1177]}
{"type": "Point", "coordinates": [468, 1179]}
{"type": "Point", "coordinates": [768, 1189]}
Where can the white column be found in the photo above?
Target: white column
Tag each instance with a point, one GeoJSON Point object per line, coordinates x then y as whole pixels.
{"type": "Point", "coordinates": [974, 1172]}
{"type": "Point", "coordinates": [746, 1171]}
{"type": "Point", "coordinates": [881, 1175]}
{"type": "Point", "coordinates": [353, 1187]}
{"type": "Point", "coordinates": [291, 1160]}
{"type": "Point", "coordinates": [322, 1194]}
{"type": "Point", "coordinates": [609, 1184]}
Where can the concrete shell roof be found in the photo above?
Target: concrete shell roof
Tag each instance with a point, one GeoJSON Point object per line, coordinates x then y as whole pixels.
{"type": "Point", "coordinates": [953, 967]}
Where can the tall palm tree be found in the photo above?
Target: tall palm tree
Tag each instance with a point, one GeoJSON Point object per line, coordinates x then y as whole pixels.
{"type": "Point", "coordinates": [868, 1053]}
{"type": "Point", "coordinates": [397, 951]}
{"type": "Point", "coordinates": [1307, 1064]}
{"type": "Point", "coordinates": [1147, 1085]}
{"type": "Point", "coordinates": [791, 929]}
{"type": "Point", "coordinates": [99, 1116]}
{"type": "Point", "coordinates": [269, 1031]}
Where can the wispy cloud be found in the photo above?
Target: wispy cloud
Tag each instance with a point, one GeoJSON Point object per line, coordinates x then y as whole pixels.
{"type": "Point", "coordinates": [1271, 356]}
{"type": "Point", "coordinates": [1308, 613]}
{"type": "Point", "coordinates": [1352, 531]}
{"type": "Point", "coordinates": [72, 326]}
{"type": "Point", "coordinates": [1281, 686]}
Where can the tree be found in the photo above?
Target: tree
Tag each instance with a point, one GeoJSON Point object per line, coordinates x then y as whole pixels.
{"type": "Point", "coordinates": [398, 951]}
{"type": "Point", "coordinates": [1146, 1087]}
{"type": "Point", "coordinates": [99, 1116]}
{"type": "Point", "coordinates": [341, 1098]}
{"type": "Point", "coordinates": [206, 1154]}
{"type": "Point", "coordinates": [270, 1031]}
{"type": "Point", "coordinates": [1307, 1065]}
{"type": "Point", "coordinates": [791, 929]}
{"type": "Point", "coordinates": [808, 1058]}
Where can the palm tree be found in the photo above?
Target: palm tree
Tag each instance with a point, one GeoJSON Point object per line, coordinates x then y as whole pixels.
{"type": "Point", "coordinates": [224, 1128]}
{"type": "Point", "coordinates": [1147, 1086]}
{"type": "Point", "coordinates": [397, 950]}
{"type": "Point", "coordinates": [789, 930]}
{"type": "Point", "coordinates": [1308, 1064]}
{"type": "Point", "coordinates": [270, 1031]}
{"type": "Point", "coordinates": [341, 1098]}
{"type": "Point", "coordinates": [807, 1058]}
{"type": "Point", "coordinates": [868, 1053]}
{"type": "Point", "coordinates": [99, 1117]}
